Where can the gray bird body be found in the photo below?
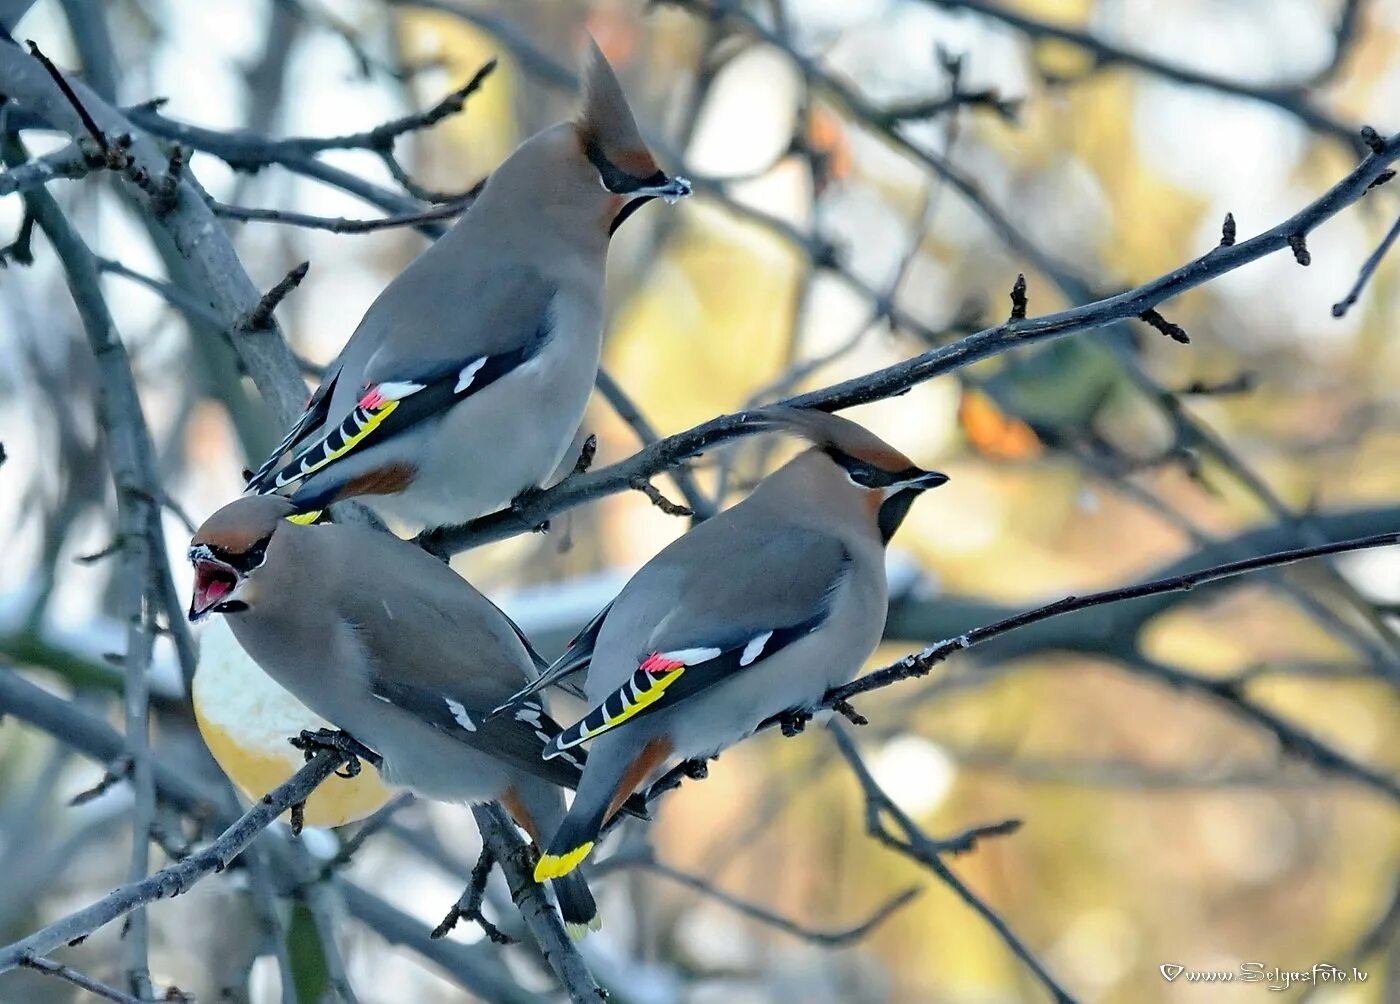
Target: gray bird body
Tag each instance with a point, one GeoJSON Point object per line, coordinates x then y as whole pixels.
{"type": "Point", "coordinates": [465, 382]}
{"type": "Point", "coordinates": [755, 613]}
{"type": "Point", "coordinates": [411, 621]}
{"type": "Point", "coordinates": [770, 561]}
{"type": "Point", "coordinates": [506, 280]}
{"type": "Point", "coordinates": [391, 646]}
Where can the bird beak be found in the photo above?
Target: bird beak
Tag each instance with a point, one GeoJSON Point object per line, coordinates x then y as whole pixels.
{"type": "Point", "coordinates": [920, 481]}
{"type": "Point", "coordinates": [215, 582]}
{"type": "Point", "coordinates": [672, 190]}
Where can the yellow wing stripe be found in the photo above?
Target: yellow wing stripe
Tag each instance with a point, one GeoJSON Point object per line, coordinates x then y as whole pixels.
{"type": "Point", "coordinates": [635, 696]}
{"type": "Point", "coordinates": [367, 425]}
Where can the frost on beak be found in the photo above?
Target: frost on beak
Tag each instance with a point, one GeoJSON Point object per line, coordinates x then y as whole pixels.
{"type": "Point", "coordinates": [214, 582]}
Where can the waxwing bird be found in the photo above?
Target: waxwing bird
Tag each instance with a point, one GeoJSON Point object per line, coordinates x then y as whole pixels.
{"type": "Point", "coordinates": [466, 380]}
{"type": "Point", "coordinates": [390, 645]}
{"type": "Point", "coordinates": [752, 614]}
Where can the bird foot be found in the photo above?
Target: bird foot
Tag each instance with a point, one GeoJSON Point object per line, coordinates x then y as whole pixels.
{"type": "Point", "coordinates": [695, 769]}
{"type": "Point", "coordinates": [431, 542]}
{"type": "Point", "coordinates": [793, 722]}
{"type": "Point", "coordinates": [313, 741]}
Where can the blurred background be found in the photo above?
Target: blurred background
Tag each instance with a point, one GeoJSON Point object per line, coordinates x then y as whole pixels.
{"type": "Point", "coordinates": [871, 177]}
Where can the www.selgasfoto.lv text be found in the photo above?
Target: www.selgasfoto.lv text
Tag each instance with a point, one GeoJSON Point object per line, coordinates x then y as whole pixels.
{"type": "Point", "coordinates": [1272, 977]}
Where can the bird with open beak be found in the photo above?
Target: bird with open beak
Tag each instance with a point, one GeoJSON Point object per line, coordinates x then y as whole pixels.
{"type": "Point", "coordinates": [466, 381]}
{"type": "Point", "coordinates": [390, 645]}
{"type": "Point", "coordinates": [752, 615]}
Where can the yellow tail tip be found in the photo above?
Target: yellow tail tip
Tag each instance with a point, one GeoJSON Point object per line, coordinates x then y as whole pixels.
{"type": "Point", "coordinates": [553, 866]}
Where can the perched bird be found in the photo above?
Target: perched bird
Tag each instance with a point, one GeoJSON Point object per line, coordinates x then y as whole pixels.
{"type": "Point", "coordinates": [754, 613]}
{"type": "Point", "coordinates": [466, 380]}
{"type": "Point", "coordinates": [390, 645]}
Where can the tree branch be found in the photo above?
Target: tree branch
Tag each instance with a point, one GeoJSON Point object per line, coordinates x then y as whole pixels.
{"type": "Point", "coordinates": [178, 877]}
{"type": "Point", "coordinates": [674, 450]}
{"type": "Point", "coordinates": [498, 835]}
{"type": "Point", "coordinates": [919, 847]}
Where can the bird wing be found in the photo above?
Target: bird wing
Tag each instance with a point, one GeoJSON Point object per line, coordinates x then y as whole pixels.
{"type": "Point", "coordinates": [577, 656]}
{"type": "Point", "coordinates": [403, 381]}
{"type": "Point", "coordinates": [768, 596]}
{"type": "Point", "coordinates": [439, 650]}
{"type": "Point", "coordinates": [518, 739]}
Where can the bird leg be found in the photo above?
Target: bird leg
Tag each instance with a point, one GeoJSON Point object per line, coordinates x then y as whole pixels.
{"type": "Point", "coordinates": [311, 742]}
{"type": "Point", "coordinates": [522, 503]}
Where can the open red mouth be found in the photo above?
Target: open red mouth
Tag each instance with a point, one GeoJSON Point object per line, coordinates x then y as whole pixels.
{"type": "Point", "coordinates": [213, 581]}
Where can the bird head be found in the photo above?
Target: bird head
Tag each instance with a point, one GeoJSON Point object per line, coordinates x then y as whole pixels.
{"type": "Point", "coordinates": [613, 145]}
{"type": "Point", "coordinates": [890, 480]}
{"type": "Point", "coordinates": [228, 551]}
{"type": "Point", "coordinates": [593, 168]}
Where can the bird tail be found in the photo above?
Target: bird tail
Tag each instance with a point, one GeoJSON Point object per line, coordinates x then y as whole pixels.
{"type": "Point", "coordinates": [572, 841]}
{"type": "Point", "coordinates": [576, 906]}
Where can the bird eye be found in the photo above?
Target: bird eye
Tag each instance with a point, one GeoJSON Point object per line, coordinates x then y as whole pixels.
{"type": "Point", "coordinates": [253, 556]}
{"type": "Point", "coordinates": [859, 472]}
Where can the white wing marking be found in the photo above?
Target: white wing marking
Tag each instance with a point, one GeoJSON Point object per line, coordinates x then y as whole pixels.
{"type": "Point", "coordinates": [469, 371]}
{"type": "Point", "coordinates": [691, 656]}
{"type": "Point", "coordinates": [460, 713]}
{"type": "Point", "coordinates": [754, 648]}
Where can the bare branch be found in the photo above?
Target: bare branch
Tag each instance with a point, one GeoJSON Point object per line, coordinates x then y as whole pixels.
{"type": "Point", "coordinates": [1290, 98]}
{"type": "Point", "coordinates": [1368, 269]}
{"type": "Point", "coordinates": [498, 835]}
{"type": "Point", "coordinates": [259, 316]}
{"type": "Point", "coordinates": [918, 846]}
{"type": "Point", "coordinates": [178, 877]}
{"type": "Point", "coordinates": [839, 938]}
{"type": "Point", "coordinates": [339, 224]}
{"type": "Point", "coordinates": [1173, 331]}
{"type": "Point", "coordinates": [92, 986]}
{"type": "Point", "coordinates": [657, 499]}
{"type": "Point", "coordinates": [468, 906]}
{"type": "Point", "coordinates": [892, 380]}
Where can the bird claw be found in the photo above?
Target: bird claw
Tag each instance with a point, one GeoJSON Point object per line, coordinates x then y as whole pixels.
{"type": "Point", "coordinates": [697, 770]}
{"type": "Point", "coordinates": [313, 741]}
{"type": "Point", "coordinates": [793, 722]}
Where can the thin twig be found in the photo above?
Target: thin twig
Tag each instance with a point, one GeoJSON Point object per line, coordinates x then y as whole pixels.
{"type": "Point", "coordinates": [657, 499]}
{"type": "Point", "coordinates": [179, 877]}
{"type": "Point", "coordinates": [50, 968]}
{"type": "Point", "coordinates": [918, 846]}
{"type": "Point", "coordinates": [338, 224]}
{"type": "Point", "coordinates": [838, 938]}
{"type": "Point", "coordinates": [468, 905]}
{"type": "Point", "coordinates": [1368, 269]}
{"type": "Point", "coordinates": [259, 316]}
{"type": "Point", "coordinates": [920, 663]}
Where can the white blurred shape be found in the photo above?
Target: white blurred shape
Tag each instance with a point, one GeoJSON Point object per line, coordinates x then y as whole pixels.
{"type": "Point", "coordinates": [915, 773]}
{"type": "Point", "coordinates": [1096, 949]}
{"type": "Point", "coordinates": [747, 122]}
